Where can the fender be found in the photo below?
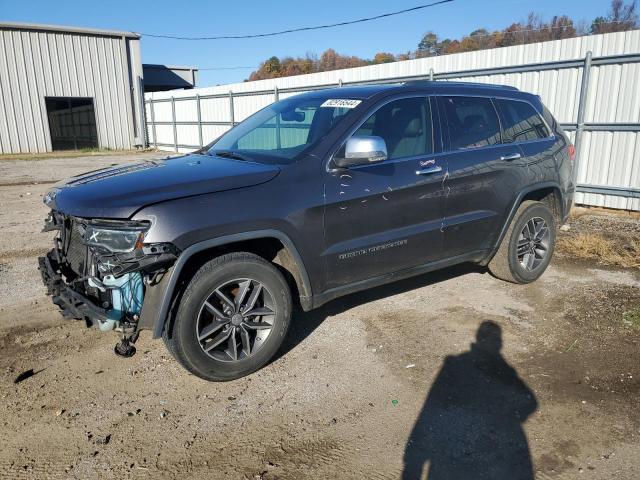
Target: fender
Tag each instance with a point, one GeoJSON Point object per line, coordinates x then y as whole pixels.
{"type": "Point", "coordinates": [514, 208]}
{"type": "Point", "coordinates": [155, 309]}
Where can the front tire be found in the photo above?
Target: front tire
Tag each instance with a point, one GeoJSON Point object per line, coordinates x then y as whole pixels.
{"type": "Point", "coordinates": [528, 245]}
{"type": "Point", "coordinates": [232, 318]}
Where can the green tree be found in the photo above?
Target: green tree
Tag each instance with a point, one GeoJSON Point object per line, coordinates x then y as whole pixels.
{"type": "Point", "coordinates": [598, 25]}
{"type": "Point", "coordinates": [428, 44]}
{"type": "Point", "coordinates": [272, 65]}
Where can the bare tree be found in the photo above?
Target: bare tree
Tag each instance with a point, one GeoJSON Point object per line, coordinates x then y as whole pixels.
{"type": "Point", "coordinates": [621, 17]}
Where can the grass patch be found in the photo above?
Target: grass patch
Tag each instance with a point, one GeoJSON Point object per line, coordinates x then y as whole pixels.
{"type": "Point", "coordinates": [95, 149]}
{"type": "Point", "coordinates": [632, 317]}
{"type": "Point", "coordinates": [622, 252]}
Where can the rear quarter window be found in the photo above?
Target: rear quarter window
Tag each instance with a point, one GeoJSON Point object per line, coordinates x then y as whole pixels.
{"type": "Point", "coordinates": [521, 122]}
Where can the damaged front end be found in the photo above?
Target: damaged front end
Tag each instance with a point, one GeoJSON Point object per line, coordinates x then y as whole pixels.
{"type": "Point", "coordinates": [99, 270]}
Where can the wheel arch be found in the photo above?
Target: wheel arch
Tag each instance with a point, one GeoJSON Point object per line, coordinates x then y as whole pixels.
{"type": "Point", "coordinates": [160, 299]}
{"type": "Point", "coordinates": [547, 192]}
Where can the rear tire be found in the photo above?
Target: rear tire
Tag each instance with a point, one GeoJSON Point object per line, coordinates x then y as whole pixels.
{"type": "Point", "coordinates": [232, 318]}
{"type": "Point", "coordinates": [528, 245]}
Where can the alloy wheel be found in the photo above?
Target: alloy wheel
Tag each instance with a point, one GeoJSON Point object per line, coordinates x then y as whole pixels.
{"type": "Point", "coordinates": [235, 320]}
{"type": "Point", "coordinates": [533, 243]}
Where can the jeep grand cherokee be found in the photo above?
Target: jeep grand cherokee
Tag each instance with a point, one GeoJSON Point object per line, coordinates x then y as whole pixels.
{"type": "Point", "coordinates": [313, 197]}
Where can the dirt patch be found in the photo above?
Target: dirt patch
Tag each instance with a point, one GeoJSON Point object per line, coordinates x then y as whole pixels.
{"type": "Point", "coordinates": [343, 401]}
{"type": "Point", "coordinates": [84, 153]}
{"type": "Point", "coordinates": [593, 343]}
{"type": "Point", "coordinates": [27, 183]}
{"type": "Point", "coordinates": [610, 241]}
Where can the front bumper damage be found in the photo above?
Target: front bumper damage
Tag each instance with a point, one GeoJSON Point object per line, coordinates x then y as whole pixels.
{"type": "Point", "coordinates": [73, 305]}
{"type": "Point", "coordinates": [99, 287]}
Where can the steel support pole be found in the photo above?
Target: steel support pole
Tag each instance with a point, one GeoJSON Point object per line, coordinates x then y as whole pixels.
{"type": "Point", "coordinates": [199, 120]}
{"type": "Point", "coordinates": [276, 97]}
{"type": "Point", "coordinates": [582, 105]}
{"type": "Point", "coordinates": [173, 121]}
{"type": "Point", "coordinates": [153, 124]}
{"type": "Point", "coordinates": [143, 114]}
{"type": "Point", "coordinates": [231, 112]}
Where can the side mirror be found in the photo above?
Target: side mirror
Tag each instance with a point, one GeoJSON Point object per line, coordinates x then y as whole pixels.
{"type": "Point", "coordinates": [362, 150]}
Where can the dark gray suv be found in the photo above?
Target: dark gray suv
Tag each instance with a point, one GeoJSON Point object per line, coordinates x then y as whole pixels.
{"type": "Point", "coordinates": [311, 198]}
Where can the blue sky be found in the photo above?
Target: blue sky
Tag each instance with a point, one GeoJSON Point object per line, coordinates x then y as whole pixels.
{"type": "Point", "coordinates": [204, 18]}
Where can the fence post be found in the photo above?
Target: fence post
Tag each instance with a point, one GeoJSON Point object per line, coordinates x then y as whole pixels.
{"type": "Point", "coordinates": [153, 123]}
{"type": "Point", "coordinates": [143, 114]}
{"type": "Point", "coordinates": [199, 120]}
{"type": "Point", "coordinates": [582, 105]}
{"type": "Point", "coordinates": [431, 73]}
{"type": "Point", "coordinates": [276, 95]}
{"type": "Point", "coordinates": [173, 122]}
{"type": "Point", "coordinates": [231, 113]}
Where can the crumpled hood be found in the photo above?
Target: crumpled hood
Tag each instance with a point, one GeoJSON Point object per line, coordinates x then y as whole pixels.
{"type": "Point", "coordinates": [118, 192]}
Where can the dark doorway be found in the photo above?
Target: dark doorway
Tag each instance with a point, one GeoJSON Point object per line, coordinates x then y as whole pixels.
{"type": "Point", "coordinates": [72, 123]}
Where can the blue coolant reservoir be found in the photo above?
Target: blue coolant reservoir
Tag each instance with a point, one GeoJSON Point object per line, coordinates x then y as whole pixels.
{"type": "Point", "coordinates": [127, 294]}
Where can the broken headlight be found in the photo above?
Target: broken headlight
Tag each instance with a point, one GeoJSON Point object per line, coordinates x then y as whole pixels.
{"type": "Point", "coordinates": [117, 238]}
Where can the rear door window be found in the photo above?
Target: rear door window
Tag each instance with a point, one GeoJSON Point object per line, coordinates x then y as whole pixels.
{"type": "Point", "coordinates": [521, 122]}
{"type": "Point", "coordinates": [473, 122]}
{"type": "Point", "coordinates": [405, 125]}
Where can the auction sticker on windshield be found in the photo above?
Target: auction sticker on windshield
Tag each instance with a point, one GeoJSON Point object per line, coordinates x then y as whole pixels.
{"type": "Point", "coordinates": [341, 103]}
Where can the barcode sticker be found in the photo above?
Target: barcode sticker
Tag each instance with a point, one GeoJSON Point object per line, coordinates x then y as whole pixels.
{"type": "Point", "coordinates": [341, 103]}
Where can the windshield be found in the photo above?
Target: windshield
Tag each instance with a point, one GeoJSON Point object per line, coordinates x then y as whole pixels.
{"type": "Point", "coordinates": [283, 130]}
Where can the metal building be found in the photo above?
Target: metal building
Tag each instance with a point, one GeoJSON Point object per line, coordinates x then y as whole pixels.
{"type": "Point", "coordinates": [69, 88]}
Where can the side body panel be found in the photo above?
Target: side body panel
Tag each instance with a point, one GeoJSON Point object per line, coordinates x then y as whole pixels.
{"type": "Point", "coordinates": [547, 161]}
{"type": "Point", "coordinates": [486, 183]}
{"type": "Point", "coordinates": [381, 218]}
{"type": "Point", "coordinates": [386, 216]}
{"type": "Point", "coordinates": [480, 188]}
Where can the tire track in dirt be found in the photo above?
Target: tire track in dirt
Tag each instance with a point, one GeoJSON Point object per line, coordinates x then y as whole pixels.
{"type": "Point", "coordinates": [28, 183]}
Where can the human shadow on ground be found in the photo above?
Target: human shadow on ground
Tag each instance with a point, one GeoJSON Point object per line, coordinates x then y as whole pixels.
{"type": "Point", "coordinates": [470, 426]}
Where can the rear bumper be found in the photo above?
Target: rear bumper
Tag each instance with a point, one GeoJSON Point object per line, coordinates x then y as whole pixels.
{"type": "Point", "coordinates": [72, 303]}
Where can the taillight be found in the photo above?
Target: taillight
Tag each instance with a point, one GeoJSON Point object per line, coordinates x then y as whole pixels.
{"type": "Point", "coordinates": [572, 152]}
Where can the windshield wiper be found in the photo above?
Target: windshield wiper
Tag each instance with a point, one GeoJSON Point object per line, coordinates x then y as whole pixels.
{"type": "Point", "coordinates": [229, 154]}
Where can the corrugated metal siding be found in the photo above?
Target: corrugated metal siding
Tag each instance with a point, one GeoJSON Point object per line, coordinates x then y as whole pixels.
{"type": "Point", "coordinates": [607, 158]}
{"type": "Point", "coordinates": [37, 64]}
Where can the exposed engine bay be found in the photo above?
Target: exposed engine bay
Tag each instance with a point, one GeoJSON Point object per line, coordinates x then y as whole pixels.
{"type": "Point", "coordinates": [98, 272]}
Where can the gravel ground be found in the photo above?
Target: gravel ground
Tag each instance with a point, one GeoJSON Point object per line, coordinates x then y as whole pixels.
{"type": "Point", "coordinates": [454, 371]}
{"type": "Point", "coordinates": [585, 220]}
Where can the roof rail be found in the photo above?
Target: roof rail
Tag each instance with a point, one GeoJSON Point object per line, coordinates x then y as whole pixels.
{"type": "Point", "coordinates": [432, 83]}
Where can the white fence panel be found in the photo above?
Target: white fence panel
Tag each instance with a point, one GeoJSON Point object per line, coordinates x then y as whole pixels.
{"type": "Point", "coordinates": [213, 131]}
{"type": "Point", "coordinates": [214, 110]}
{"type": "Point", "coordinates": [248, 105]}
